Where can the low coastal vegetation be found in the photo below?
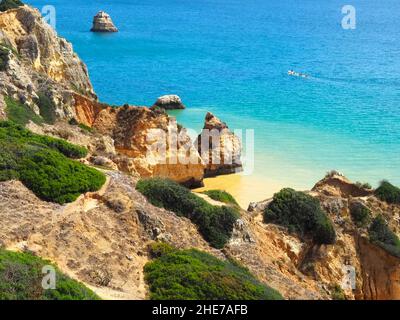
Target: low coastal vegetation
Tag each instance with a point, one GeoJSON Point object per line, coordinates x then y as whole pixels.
{"type": "Point", "coordinates": [388, 192]}
{"type": "Point", "coordinates": [21, 279]}
{"type": "Point", "coordinates": [196, 275]}
{"type": "Point", "coordinates": [214, 223]}
{"type": "Point", "coordinates": [10, 4]}
{"type": "Point", "coordinates": [363, 185]}
{"type": "Point", "coordinates": [46, 107]}
{"type": "Point", "coordinates": [74, 122]}
{"type": "Point", "coordinates": [337, 293]}
{"type": "Point", "coordinates": [381, 235]}
{"type": "Point", "coordinates": [20, 113]}
{"type": "Point", "coordinates": [4, 52]}
{"type": "Point", "coordinates": [42, 164]}
{"type": "Point", "coordinates": [221, 196]}
{"type": "Point", "coordinates": [302, 214]}
{"type": "Point", "coordinates": [360, 214]}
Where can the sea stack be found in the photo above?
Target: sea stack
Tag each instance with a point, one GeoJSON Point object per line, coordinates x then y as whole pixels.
{"type": "Point", "coordinates": [219, 148]}
{"type": "Point", "coordinates": [102, 23]}
{"type": "Point", "coordinates": [169, 102]}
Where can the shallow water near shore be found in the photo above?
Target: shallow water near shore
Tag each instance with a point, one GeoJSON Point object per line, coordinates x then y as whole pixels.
{"type": "Point", "coordinates": [231, 58]}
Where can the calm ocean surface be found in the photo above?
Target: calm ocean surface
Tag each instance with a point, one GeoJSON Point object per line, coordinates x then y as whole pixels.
{"type": "Point", "coordinates": [231, 57]}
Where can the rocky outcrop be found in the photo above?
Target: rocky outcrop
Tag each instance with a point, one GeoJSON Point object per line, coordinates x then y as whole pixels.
{"type": "Point", "coordinates": [362, 269]}
{"type": "Point", "coordinates": [102, 23]}
{"type": "Point", "coordinates": [101, 239]}
{"type": "Point", "coordinates": [219, 148]}
{"type": "Point", "coordinates": [147, 142]}
{"type": "Point", "coordinates": [39, 64]}
{"type": "Point", "coordinates": [336, 184]}
{"type": "Point", "coordinates": [169, 102]}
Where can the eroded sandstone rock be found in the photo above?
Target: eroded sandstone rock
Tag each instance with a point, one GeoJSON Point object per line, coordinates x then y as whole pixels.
{"type": "Point", "coordinates": [219, 148]}
{"type": "Point", "coordinates": [147, 142]}
{"type": "Point", "coordinates": [338, 185]}
{"type": "Point", "coordinates": [169, 102]}
{"type": "Point", "coordinates": [102, 23]}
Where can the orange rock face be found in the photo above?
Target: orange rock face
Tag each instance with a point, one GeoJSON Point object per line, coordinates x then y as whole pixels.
{"type": "Point", "coordinates": [148, 142]}
{"type": "Point", "coordinates": [380, 272]}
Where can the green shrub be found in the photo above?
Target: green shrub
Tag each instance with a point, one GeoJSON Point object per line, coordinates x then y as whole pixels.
{"type": "Point", "coordinates": [10, 4]}
{"type": "Point", "coordinates": [337, 293]}
{"type": "Point", "coordinates": [20, 113]}
{"type": "Point", "coordinates": [302, 214]}
{"type": "Point", "coordinates": [214, 223]}
{"type": "Point", "coordinates": [381, 235]}
{"type": "Point", "coordinates": [53, 177]}
{"type": "Point", "coordinates": [47, 108]}
{"type": "Point", "coordinates": [21, 277]}
{"type": "Point", "coordinates": [196, 275]}
{"type": "Point", "coordinates": [11, 131]}
{"type": "Point", "coordinates": [158, 249]}
{"type": "Point", "coordinates": [4, 52]}
{"type": "Point", "coordinates": [73, 122]}
{"type": "Point", "coordinates": [364, 185]}
{"type": "Point", "coordinates": [85, 127]}
{"type": "Point", "coordinates": [388, 192]}
{"type": "Point", "coordinates": [221, 196]}
{"type": "Point", "coordinates": [360, 214]}
{"type": "Point", "coordinates": [41, 163]}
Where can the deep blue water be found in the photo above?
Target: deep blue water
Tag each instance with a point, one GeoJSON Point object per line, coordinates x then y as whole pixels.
{"type": "Point", "coordinates": [231, 57]}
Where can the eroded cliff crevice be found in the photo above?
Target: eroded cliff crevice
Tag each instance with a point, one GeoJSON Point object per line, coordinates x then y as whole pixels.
{"type": "Point", "coordinates": [380, 272]}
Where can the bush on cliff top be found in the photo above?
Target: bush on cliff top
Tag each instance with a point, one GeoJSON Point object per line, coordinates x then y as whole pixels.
{"type": "Point", "coordinates": [360, 214]}
{"type": "Point", "coordinates": [42, 165]}
{"type": "Point", "coordinates": [221, 196]}
{"type": "Point", "coordinates": [214, 223]}
{"type": "Point", "coordinates": [388, 192]}
{"type": "Point", "coordinates": [195, 275]}
{"type": "Point", "coordinates": [21, 279]}
{"type": "Point", "coordinates": [381, 235]}
{"type": "Point", "coordinates": [302, 214]}
{"type": "Point", "coordinates": [10, 4]}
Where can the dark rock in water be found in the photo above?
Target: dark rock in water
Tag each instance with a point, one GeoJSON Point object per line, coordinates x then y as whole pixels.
{"type": "Point", "coordinates": [102, 23]}
{"type": "Point", "coordinates": [169, 102]}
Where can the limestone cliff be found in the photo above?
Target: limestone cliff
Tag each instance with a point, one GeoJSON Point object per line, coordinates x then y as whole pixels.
{"type": "Point", "coordinates": [39, 63]}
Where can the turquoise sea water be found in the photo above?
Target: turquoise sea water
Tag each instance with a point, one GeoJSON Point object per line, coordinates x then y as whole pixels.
{"type": "Point", "coordinates": [231, 57]}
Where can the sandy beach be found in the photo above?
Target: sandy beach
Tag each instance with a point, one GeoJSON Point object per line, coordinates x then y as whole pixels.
{"type": "Point", "coordinates": [244, 188]}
